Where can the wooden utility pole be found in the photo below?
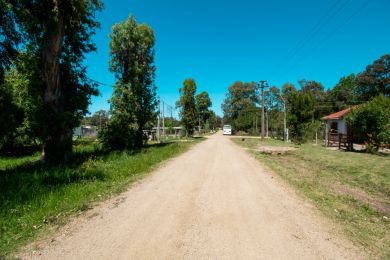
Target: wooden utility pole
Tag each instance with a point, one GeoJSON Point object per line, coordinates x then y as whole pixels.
{"type": "Point", "coordinates": [199, 124]}
{"type": "Point", "coordinates": [158, 120]}
{"type": "Point", "coordinates": [284, 119]}
{"type": "Point", "coordinates": [256, 121]}
{"type": "Point", "coordinates": [263, 85]}
{"type": "Point", "coordinates": [163, 120]}
{"type": "Point", "coordinates": [266, 124]}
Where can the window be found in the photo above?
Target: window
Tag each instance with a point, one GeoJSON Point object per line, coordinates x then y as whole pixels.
{"type": "Point", "coordinates": [333, 127]}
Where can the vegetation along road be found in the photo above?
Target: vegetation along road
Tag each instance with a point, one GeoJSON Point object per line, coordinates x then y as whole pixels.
{"type": "Point", "coordinates": [216, 202]}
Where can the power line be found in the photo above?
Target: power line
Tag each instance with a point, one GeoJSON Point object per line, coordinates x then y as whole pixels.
{"type": "Point", "coordinates": [100, 83]}
{"type": "Point", "coordinates": [171, 108]}
{"type": "Point", "coordinates": [329, 35]}
{"type": "Point", "coordinates": [312, 33]}
{"type": "Point", "coordinates": [320, 27]}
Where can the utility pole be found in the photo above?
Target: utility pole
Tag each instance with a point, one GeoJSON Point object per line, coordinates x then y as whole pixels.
{"type": "Point", "coordinates": [256, 120]}
{"type": "Point", "coordinates": [266, 124]}
{"type": "Point", "coordinates": [158, 120]}
{"type": "Point", "coordinates": [284, 119]}
{"type": "Point", "coordinates": [100, 121]}
{"type": "Point", "coordinates": [163, 120]}
{"type": "Point", "coordinates": [199, 124]}
{"type": "Point", "coordinates": [171, 120]}
{"type": "Point", "coordinates": [263, 85]}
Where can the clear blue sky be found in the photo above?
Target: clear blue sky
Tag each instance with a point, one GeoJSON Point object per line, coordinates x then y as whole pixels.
{"type": "Point", "coordinates": [218, 42]}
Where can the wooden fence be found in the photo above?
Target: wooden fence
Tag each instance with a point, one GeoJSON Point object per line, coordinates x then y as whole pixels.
{"type": "Point", "coordinates": [338, 140]}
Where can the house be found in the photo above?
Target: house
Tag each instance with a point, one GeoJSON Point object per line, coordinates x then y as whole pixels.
{"type": "Point", "coordinates": [83, 131]}
{"type": "Point", "coordinates": [336, 129]}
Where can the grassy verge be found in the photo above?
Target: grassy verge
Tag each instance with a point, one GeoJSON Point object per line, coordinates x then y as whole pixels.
{"type": "Point", "coordinates": [34, 197]}
{"type": "Point", "coordinates": [351, 188]}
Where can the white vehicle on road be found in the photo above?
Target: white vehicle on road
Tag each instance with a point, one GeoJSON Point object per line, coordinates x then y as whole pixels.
{"type": "Point", "coordinates": [227, 129]}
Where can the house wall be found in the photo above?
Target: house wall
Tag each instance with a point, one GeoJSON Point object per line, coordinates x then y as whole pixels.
{"type": "Point", "coordinates": [341, 126]}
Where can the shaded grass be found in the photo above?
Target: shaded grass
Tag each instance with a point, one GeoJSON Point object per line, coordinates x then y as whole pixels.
{"type": "Point", "coordinates": [351, 188]}
{"type": "Point", "coordinates": [34, 197]}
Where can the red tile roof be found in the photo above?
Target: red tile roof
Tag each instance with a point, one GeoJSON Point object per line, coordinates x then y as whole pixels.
{"type": "Point", "coordinates": [337, 115]}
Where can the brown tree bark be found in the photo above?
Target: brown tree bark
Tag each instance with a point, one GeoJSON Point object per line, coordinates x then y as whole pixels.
{"type": "Point", "coordinates": [57, 146]}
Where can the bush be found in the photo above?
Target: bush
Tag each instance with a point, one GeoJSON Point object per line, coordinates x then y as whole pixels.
{"type": "Point", "coordinates": [300, 116]}
{"type": "Point", "coordinates": [118, 136]}
{"type": "Point", "coordinates": [11, 117]}
{"type": "Point", "coordinates": [371, 122]}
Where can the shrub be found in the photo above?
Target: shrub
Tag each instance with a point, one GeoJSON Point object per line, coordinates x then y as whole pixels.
{"type": "Point", "coordinates": [118, 136]}
{"type": "Point", "coordinates": [371, 122]}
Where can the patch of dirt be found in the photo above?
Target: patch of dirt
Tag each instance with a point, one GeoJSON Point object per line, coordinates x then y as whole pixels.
{"type": "Point", "coordinates": [275, 149]}
{"type": "Point", "coordinates": [378, 204]}
{"type": "Point", "coordinates": [118, 201]}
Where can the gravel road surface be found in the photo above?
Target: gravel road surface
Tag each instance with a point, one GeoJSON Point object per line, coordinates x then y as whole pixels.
{"type": "Point", "coordinates": [213, 202]}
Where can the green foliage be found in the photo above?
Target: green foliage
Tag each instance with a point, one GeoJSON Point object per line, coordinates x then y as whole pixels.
{"type": "Point", "coordinates": [28, 94]}
{"type": "Point", "coordinates": [134, 98]}
{"type": "Point", "coordinates": [119, 134]}
{"type": "Point", "coordinates": [316, 89]}
{"type": "Point", "coordinates": [203, 104]}
{"type": "Point", "coordinates": [274, 112]}
{"type": "Point", "coordinates": [301, 115]}
{"type": "Point", "coordinates": [214, 121]}
{"type": "Point", "coordinates": [50, 70]}
{"type": "Point", "coordinates": [99, 118]}
{"type": "Point", "coordinates": [240, 105]}
{"type": "Point", "coordinates": [187, 105]}
{"type": "Point", "coordinates": [343, 95]}
{"type": "Point", "coordinates": [375, 79]}
{"type": "Point", "coordinates": [11, 117]}
{"type": "Point", "coordinates": [9, 37]}
{"type": "Point", "coordinates": [371, 122]}
{"type": "Point", "coordinates": [245, 121]}
{"type": "Point", "coordinates": [287, 90]}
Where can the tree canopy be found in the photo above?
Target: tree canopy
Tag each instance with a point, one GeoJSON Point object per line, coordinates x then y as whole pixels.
{"type": "Point", "coordinates": [240, 105]}
{"type": "Point", "coordinates": [55, 36]}
{"type": "Point", "coordinates": [203, 104]}
{"type": "Point", "coordinates": [187, 105]}
{"type": "Point", "coordinates": [301, 113]}
{"type": "Point", "coordinates": [343, 95]}
{"type": "Point", "coordinates": [371, 122]}
{"type": "Point", "coordinates": [375, 80]}
{"type": "Point", "coordinates": [134, 98]}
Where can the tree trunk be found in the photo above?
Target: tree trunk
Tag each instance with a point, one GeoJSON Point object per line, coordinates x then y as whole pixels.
{"type": "Point", "coordinates": [57, 145]}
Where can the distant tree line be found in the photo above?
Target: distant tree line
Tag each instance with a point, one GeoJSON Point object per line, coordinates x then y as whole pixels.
{"type": "Point", "coordinates": [99, 119]}
{"type": "Point", "coordinates": [306, 105]}
{"type": "Point", "coordinates": [195, 109]}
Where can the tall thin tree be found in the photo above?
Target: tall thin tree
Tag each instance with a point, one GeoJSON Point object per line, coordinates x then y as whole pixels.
{"type": "Point", "coordinates": [134, 100]}
{"type": "Point", "coordinates": [187, 105]}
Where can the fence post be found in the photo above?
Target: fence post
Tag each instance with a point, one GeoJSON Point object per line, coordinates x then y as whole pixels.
{"type": "Point", "coordinates": [340, 137]}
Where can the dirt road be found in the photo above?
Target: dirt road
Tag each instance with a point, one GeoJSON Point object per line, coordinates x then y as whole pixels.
{"type": "Point", "coordinates": [213, 202]}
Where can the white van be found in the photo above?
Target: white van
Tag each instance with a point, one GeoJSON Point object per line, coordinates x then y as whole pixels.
{"type": "Point", "coordinates": [227, 129]}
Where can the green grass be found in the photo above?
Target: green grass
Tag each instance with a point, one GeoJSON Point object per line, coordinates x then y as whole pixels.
{"type": "Point", "coordinates": [12, 162]}
{"type": "Point", "coordinates": [351, 188]}
{"type": "Point", "coordinates": [35, 197]}
{"type": "Point", "coordinates": [251, 141]}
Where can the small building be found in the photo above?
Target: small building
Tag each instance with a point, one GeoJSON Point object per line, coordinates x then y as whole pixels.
{"type": "Point", "coordinates": [336, 129]}
{"type": "Point", "coordinates": [84, 131]}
